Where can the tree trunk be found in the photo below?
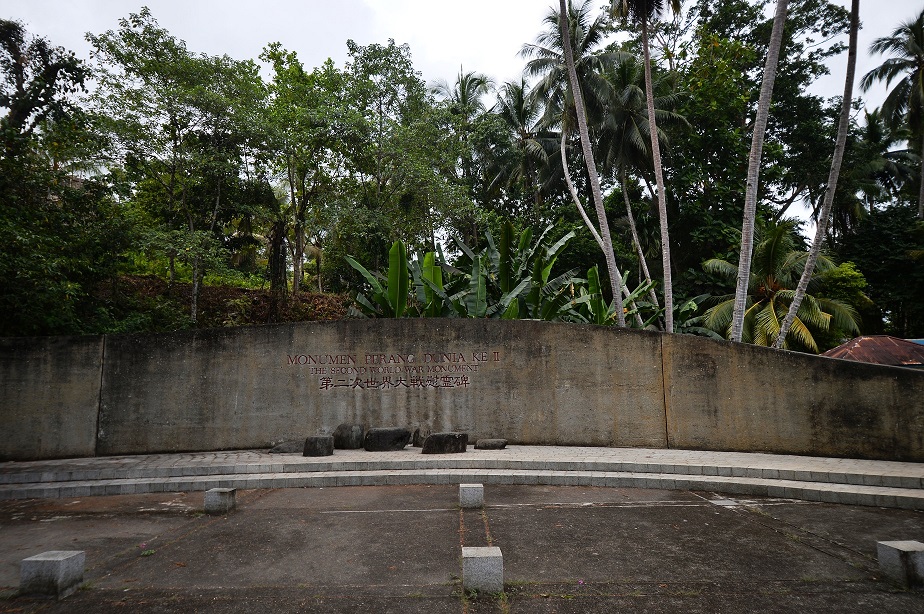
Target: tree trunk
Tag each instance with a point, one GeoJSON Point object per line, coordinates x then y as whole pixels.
{"type": "Point", "coordinates": [822, 221]}
{"type": "Point", "coordinates": [615, 277]}
{"type": "Point", "coordinates": [659, 181]}
{"type": "Point", "coordinates": [277, 269]}
{"type": "Point", "coordinates": [921, 188]}
{"type": "Point", "coordinates": [294, 200]}
{"type": "Point", "coordinates": [298, 257]}
{"type": "Point", "coordinates": [194, 300]}
{"type": "Point", "coordinates": [587, 222]}
{"type": "Point", "coordinates": [643, 263]}
{"type": "Point", "coordinates": [575, 197]}
{"type": "Point", "coordinates": [757, 147]}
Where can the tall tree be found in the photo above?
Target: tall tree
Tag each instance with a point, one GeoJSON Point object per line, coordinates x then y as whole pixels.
{"type": "Point", "coordinates": [757, 145]}
{"type": "Point", "coordinates": [625, 138]}
{"type": "Point", "coordinates": [520, 172]}
{"type": "Point", "coordinates": [824, 215]}
{"type": "Point", "coordinates": [37, 79]}
{"type": "Point", "coordinates": [180, 124]}
{"type": "Point", "coordinates": [884, 166]}
{"type": "Point", "coordinates": [778, 261]}
{"type": "Point", "coordinates": [905, 102]}
{"type": "Point", "coordinates": [307, 115]}
{"type": "Point", "coordinates": [60, 234]}
{"type": "Point", "coordinates": [643, 12]}
{"type": "Point", "coordinates": [589, 159]}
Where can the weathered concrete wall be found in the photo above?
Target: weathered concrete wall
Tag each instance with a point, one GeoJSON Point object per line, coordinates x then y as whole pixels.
{"type": "Point", "coordinates": [725, 396]}
{"type": "Point", "coordinates": [529, 382]}
{"type": "Point", "coordinates": [49, 395]}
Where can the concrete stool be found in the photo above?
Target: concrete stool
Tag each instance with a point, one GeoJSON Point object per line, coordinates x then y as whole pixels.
{"type": "Point", "coordinates": [483, 569]}
{"type": "Point", "coordinates": [57, 573]}
{"type": "Point", "coordinates": [902, 562]}
{"type": "Point", "coordinates": [220, 500]}
{"type": "Point", "coordinates": [471, 495]}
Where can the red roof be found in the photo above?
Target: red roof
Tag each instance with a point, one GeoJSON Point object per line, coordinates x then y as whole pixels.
{"type": "Point", "coordinates": [880, 350]}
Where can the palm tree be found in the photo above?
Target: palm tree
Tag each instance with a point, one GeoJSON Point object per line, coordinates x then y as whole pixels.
{"type": "Point", "coordinates": [521, 114]}
{"type": "Point", "coordinates": [564, 55]}
{"type": "Point", "coordinates": [625, 138]}
{"type": "Point", "coordinates": [587, 33]}
{"type": "Point", "coordinates": [642, 12]}
{"type": "Point", "coordinates": [821, 226]}
{"type": "Point", "coordinates": [589, 161]}
{"type": "Point", "coordinates": [884, 168]}
{"type": "Point", "coordinates": [465, 95]}
{"type": "Point", "coordinates": [757, 146]}
{"type": "Point", "coordinates": [465, 101]}
{"type": "Point", "coordinates": [777, 263]}
{"type": "Point", "coordinates": [905, 103]}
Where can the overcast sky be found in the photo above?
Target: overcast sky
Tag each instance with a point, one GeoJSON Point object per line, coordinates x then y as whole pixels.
{"type": "Point", "coordinates": [444, 35]}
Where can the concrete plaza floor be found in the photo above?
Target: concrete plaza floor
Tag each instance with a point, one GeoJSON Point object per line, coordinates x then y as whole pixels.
{"type": "Point", "coordinates": [566, 549]}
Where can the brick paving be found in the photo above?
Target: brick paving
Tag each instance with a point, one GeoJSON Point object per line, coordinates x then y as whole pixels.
{"type": "Point", "coordinates": [832, 480]}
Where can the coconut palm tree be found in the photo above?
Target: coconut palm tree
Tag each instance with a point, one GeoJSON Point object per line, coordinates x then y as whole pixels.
{"type": "Point", "coordinates": [465, 101]}
{"type": "Point", "coordinates": [625, 138]}
{"type": "Point", "coordinates": [885, 167]}
{"type": "Point", "coordinates": [757, 146]}
{"type": "Point", "coordinates": [643, 12]}
{"type": "Point", "coordinates": [465, 96]}
{"type": "Point", "coordinates": [565, 56]}
{"type": "Point", "coordinates": [777, 265]}
{"type": "Point", "coordinates": [821, 222]}
{"type": "Point", "coordinates": [905, 102]}
{"type": "Point", "coordinates": [547, 61]}
{"type": "Point", "coordinates": [589, 161]}
{"type": "Point", "coordinates": [521, 114]}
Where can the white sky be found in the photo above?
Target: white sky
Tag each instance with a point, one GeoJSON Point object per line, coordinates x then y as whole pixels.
{"type": "Point", "coordinates": [444, 35]}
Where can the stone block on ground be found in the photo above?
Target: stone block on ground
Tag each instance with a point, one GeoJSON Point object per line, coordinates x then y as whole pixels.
{"type": "Point", "coordinates": [902, 562]}
{"type": "Point", "coordinates": [287, 447]}
{"type": "Point", "coordinates": [420, 435]}
{"type": "Point", "coordinates": [320, 445]}
{"type": "Point", "coordinates": [483, 569]}
{"type": "Point", "coordinates": [445, 443]}
{"type": "Point", "coordinates": [220, 500]}
{"type": "Point", "coordinates": [471, 495]}
{"type": "Point", "coordinates": [390, 439]}
{"type": "Point", "coordinates": [490, 444]}
{"type": "Point", "coordinates": [348, 436]}
{"type": "Point", "coordinates": [56, 574]}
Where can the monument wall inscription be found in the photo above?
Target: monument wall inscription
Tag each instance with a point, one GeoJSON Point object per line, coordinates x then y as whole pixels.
{"type": "Point", "coordinates": [391, 371]}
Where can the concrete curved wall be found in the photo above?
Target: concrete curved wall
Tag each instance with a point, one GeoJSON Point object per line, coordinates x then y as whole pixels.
{"type": "Point", "coordinates": [529, 382]}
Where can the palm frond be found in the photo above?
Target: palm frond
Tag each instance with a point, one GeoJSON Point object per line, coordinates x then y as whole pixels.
{"type": "Point", "coordinates": [721, 267]}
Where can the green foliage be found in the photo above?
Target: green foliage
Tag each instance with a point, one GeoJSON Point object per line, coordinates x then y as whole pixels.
{"type": "Point", "coordinates": [777, 265]}
{"type": "Point", "coordinates": [190, 167]}
{"type": "Point", "coordinates": [886, 248]}
{"type": "Point", "coordinates": [389, 300]}
{"type": "Point", "coordinates": [476, 283]}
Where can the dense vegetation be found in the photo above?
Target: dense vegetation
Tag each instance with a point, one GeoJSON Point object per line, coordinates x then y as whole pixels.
{"type": "Point", "coordinates": [150, 187]}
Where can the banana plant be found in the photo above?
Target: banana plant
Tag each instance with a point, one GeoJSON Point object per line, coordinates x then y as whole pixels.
{"type": "Point", "coordinates": [594, 310]}
{"type": "Point", "coordinates": [389, 301]}
{"type": "Point", "coordinates": [428, 286]}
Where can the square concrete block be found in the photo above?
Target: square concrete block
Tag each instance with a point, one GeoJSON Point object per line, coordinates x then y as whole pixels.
{"type": "Point", "coordinates": [902, 562]}
{"type": "Point", "coordinates": [56, 574]}
{"type": "Point", "coordinates": [220, 500]}
{"type": "Point", "coordinates": [471, 495]}
{"type": "Point", "coordinates": [483, 569]}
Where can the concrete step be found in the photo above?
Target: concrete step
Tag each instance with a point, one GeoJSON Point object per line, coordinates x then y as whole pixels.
{"type": "Point", "coordinates": [808, 490]}
{"type": "Point", "coordinates": [877, 474]}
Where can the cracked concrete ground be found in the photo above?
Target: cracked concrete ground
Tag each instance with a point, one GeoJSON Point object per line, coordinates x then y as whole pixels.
{"type": "Point", "coordinates": [398, 549]}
